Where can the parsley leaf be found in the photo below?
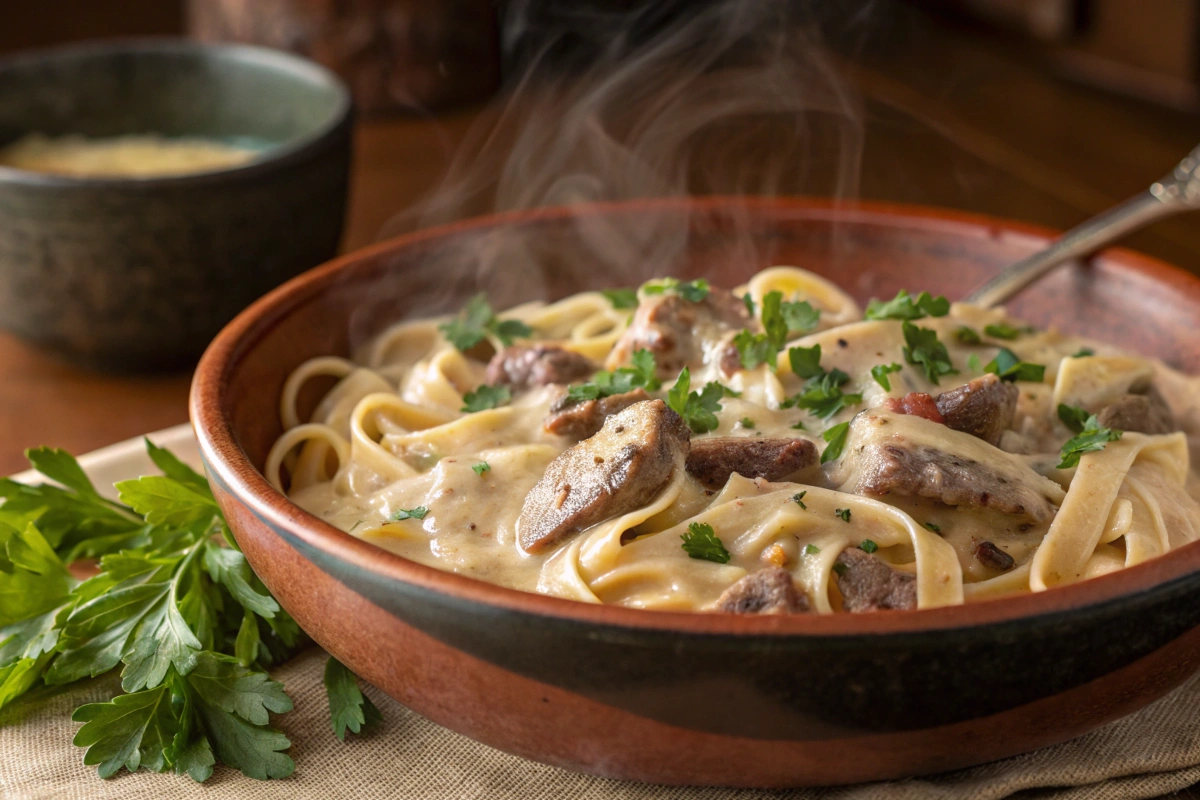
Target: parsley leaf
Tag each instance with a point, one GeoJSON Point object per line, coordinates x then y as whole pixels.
{"type": "Point", "coordinates": [867, 545]}
{"type": "Point", "coordinates": [806, 361]}
{"type": "Point", "coordinates": [880, 373]}
{"type": "Point", "coordinates": [836, 437]}
{"type": "Point", "coordinates": [409, 513]}
{"type": "Point", "coordinates": [485, 397]}
{"type": "Point", "coordinates": [1074, 418]}
{"type": "Point", "coordinates": [1002, 330]}
{"type": "Point", "coordinates": [823, 395]}
{"type": "Point", "coordinates": [773, 321]}
{"type": "Point", "coordinates": [801, 317]}
{"type": "Point", "coordinates": [923, 349]}
{"type": "Point", "coordinates": [1083, 352]}
{"type": "Point", "coordinates": [481, 468]}
{"type": "Point", "coordinates": [692, 291]}
{"type": "Point", "coordinates": [476, 321]}
{"type": "Point", "coordinates": [642, 374]}
{"type": "Point", "coordinates": [748, 302]}
{"type": "Point", "coordinates": [746, 422]}
{"type": "Point", "coordinates": [798, 499]}
{"type": "Point", "coordinates": [932, 527]}
{"type": "Point", "coordinates": [967, 335]}
{"type": "Point", "coordinates": [621, 298]}
{"type": "Point", "coordinates": [843, 514]}
{"type": "Point", "coordinates": [754, 349]}
{"type": "Point", "coordinates": [1091, 437]}
{"type": "Point", "coordinates": [1009, 367]}
{"type": "Point", "coordinates": [698, 409]}
{"type": "Point", "coordinates": [701, 542]}
{"type": "Point", "coordinates": [974, 364]}
{"type": "Point", "coordinates": [811, 549]}
{"type": "Point", "coordinates": [904, 307]}
{"type": "Point", "coordinates": [349, 708]}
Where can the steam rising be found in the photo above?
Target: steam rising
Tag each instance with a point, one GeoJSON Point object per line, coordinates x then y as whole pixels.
{"type": "Point", "coordinates": [667, 100]}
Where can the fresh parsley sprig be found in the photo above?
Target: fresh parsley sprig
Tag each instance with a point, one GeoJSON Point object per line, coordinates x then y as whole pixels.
{"type": "Point", "coordinates": [905, 307]}
{"type": "Point", "coordinates": [1090, 437]}
{"type": "Point", "coordinates": [880, 373]}
{"type": "Point", "coordinates": [485, 397]}
{"type": "Point", "coordinates": [779, 321]}
{"type": "Point", "coordinates": [692, 291]}
{"type": "Point", "coordinates": [822, 393]}
{"type": "Point", "coordinates": [701, 542]}
{"type": "Point", "coordinates": [641, 375]}
{"type": "Point", "coordinates": [922, 349]}
{"type": "Point", "coordinates": [1008, 366]}
{"type": "Point", "coordinates": [477, 320]}
{"type": "Point", "coordinates": [621, 299]}
{"type": "Point", "coordinates": [698, 409]}
{"type": "Point", "coordinates": [175, 606]}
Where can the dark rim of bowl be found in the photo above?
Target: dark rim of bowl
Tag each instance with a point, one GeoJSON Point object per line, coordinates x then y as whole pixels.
{"type": "Point", "coordinates": [282, 155]}
{"type": "Point", "coordinates": [232, 469]}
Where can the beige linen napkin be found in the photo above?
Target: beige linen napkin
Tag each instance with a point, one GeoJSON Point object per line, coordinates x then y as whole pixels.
{"type": "Point", "coordinates": [1151, 753]}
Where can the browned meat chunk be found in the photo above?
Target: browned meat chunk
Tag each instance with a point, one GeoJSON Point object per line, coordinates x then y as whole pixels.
{"type": "Point", "coordinates": [619, 469]}
{"type": "Point", "coordinates": [910, 456]}
{"type": "Point", "coordinates": [521, 367]}
{"type": "Point", "coordinates": [991, 556]}
{"type": "Point", "coordinates": [1142, 413]}
{"type": "Point", "coordinates": [868, 584]}
{"type": "Point", "coordinates": [712, 461]}
{"type": "Point", "coordinates": [581, 420]}
{"type": "Point", "coordinates": [679, 332]}
{"type": "Point", "coordinates": [984, 407]}
{"type": "Point", "coordinates": [768, 591]}
{"type": "Point", "coordinates": [917, 404]}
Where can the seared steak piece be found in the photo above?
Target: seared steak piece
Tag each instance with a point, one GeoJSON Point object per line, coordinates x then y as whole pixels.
{"type": "Point", "coordinates": [621, 468]}
{"type": "Point", "coordinates": [768, 591]}
{"type": "Point", "coordinates": [1142, 413]}
{"type": "Point", "coordinates": [680, 333]}
{"type": "Point", "coordinates": [523, 366]}
{"type": "Point", "coordinates": [582, 420]}
{"type": "Point", "coordinates": [868, 584]}
{"type": "Point", "coordinates": [910, 456]}
{"type": "Point", "coordinates": [984, 407]}
{"type": "Point", "coordinates": [991, 556]}
{"type": "Point", "coordinates": [712, 461]}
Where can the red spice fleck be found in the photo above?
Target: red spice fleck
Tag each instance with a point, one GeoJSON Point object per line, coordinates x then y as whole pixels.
{"type": "Point", "coordinates": [918, 404]}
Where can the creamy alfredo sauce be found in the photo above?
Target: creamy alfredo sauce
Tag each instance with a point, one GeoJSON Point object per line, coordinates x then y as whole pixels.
{"type": "Point", "coordinates": [959, 503]}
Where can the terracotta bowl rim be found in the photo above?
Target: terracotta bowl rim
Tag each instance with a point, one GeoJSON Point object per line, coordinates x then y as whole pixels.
{"type": "Point", "coordinates": [232, 470]}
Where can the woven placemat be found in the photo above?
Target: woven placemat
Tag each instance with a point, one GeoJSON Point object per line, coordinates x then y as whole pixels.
{"type": "Point", "coordinates": [1151, 753]}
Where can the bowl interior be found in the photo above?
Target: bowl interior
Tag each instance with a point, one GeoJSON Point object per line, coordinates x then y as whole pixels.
{"type": "Point", "coordinates": [242, 95]}
{"type": "Point", "coordinates": [870, 250]}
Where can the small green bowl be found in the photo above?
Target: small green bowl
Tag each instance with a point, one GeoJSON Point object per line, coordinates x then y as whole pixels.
{"type": "Point", "coordinates": [138, 274]}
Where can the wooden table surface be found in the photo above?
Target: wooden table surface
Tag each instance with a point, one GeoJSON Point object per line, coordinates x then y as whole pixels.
{"type": "Point", "coordinates": [952, 118]}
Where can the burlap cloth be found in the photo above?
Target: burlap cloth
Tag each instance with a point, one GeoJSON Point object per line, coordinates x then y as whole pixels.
{"type": "Point", "coordinates": [1146, 755]}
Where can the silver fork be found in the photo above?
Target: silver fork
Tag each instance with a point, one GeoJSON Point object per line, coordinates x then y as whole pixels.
{"type": "Point", "coordinates": [1179, 191]}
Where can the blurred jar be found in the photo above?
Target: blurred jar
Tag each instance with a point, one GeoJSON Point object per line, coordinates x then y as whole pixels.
{"type": "Point", "coordinates": [394, 54]}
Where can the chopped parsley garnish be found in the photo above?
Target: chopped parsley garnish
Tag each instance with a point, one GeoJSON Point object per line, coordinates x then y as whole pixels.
{"type": "Point", "coordinates": [754, 349]}
{"type": "Point", "coordinates": [701, 542]}
{"type": "Point", "coordinates": [905, 307]}
{"type": "Point", "coordinates": [1083, 352]}
{"type": "Point", "coordinates": [798, 499]}
{"type": "Point", "coordinates": [922, 348]}
{"type": "Point", "coordinates": [806, 361]}
{"type": "Point", "coordinates": [880, 373]}
{"type": "Point", "coordinates": [836, 437]}
{"type": "Point", "coordinates": [868, 546]}
{"type": "Point", "coordinates": [698, 409]}
{"type": "Point", "coordinates": [799, 426]}
{"type": "Point", "coordinates": [840, 568]}
{"type": "Point", "coordinates": [481, 468]}
{"type": "Point", "coordinates": [811, 549]}
{"type": "Point", "coordinates": [1008, 366]}
{"type": "Point", "coordinates": [1002, 330]}
{"type": "Point", "coordinates": [477, 320]}
{"type": "Point", "coordinates": [730, 392]}
{"type": "Point", "coordinates": [844, 514]}
{"type": "Point", "coordinates": [1074, 418]}
{"type": "Point", "coordinates": [1091, 437]}
{"type": "Point", "coordinates": [823, 395]}
{"type": "Point", "coordinates": [748, 301]}
{"type": "Point", "coordinates": [974, 364]}
{"type": "Point", "coordinates": [934, 528]}
{"type": "Point", "coordinates": [485, 397]}
{"type": "Point", "coordinates": [692, 291]}
{"type": "Point", "coordinates": [409, 513]}
{"type": "Point", "coordinates": [746, 422]}
{"type": "Point", "coordinates": [800, 317]}
{"type": "Point", "coordinates": [621, 298]}
{"type": "Point", "coordinates": [967, 335]}
{"type": "Point", "coordinates": [603, 384]}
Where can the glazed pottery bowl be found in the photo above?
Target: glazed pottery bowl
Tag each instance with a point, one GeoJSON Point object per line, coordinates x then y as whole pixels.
{"type": "Point", "coordinates": [703, 698]}
{"type": "Point", "coordinates": [138, 274]}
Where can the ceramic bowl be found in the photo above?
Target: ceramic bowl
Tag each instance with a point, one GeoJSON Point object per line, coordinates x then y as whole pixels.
{"type": "Point", "coordinates": [138, 274]}
{"type": "Point", "coordinates": [703, 698]}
